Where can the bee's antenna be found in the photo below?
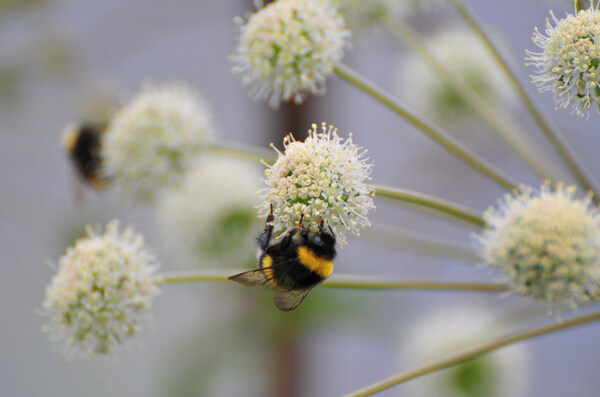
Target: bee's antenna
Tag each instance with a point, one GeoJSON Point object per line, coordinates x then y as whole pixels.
{"type": "Point", "coordinates": [301, 219]}
{"type": "Point", "coordinates": [321, 225]}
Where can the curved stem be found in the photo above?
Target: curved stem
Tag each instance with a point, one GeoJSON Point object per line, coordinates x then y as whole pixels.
{"type": "Point", "coordinates": [434, 132]}
{"type": "Point", "coordinates": [425, 244]}
{"type": "Point", "coordinates": [345, 281]}
{"type": "Point", "coordinates": [474, 352]}
{"type": "Point", "coordinates": [244, 152]}
{"type": "Point", "coordinates": [552, 132]}
{"type": "Point", "coordinates": [454, 210]}
{"type": "Point", "coordinates": [501, 123]}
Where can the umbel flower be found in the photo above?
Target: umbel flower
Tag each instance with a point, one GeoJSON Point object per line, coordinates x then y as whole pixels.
{"type": "Point", "coordinates": [462, 54]}
{"type": "Point", "coordinates": [151, 140]}
{"type": "Point", "coordinates": [212, 216]}
{"type": "Point", "coordinates": [547, 243]}
{"type": "Point", "coordinates": [289, 47]}
{"type": "Point", "coordinates": [101, 292]}
{"type": "Point", "coordinates": [321, 179]}
{"type": "Point", "coordinates": [569, 60]}
{"type": "Point", "coordinates": [444, 331]}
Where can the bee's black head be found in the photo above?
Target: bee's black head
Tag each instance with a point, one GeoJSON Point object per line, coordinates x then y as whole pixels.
{"type": "Point", "coordinates": [321, 242]}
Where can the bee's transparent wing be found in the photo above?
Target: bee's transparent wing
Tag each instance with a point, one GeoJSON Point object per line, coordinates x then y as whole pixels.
{"type": "Point", "coordinates": [259, 277]}
{"type": "Point", "coordinates": [287, 300]}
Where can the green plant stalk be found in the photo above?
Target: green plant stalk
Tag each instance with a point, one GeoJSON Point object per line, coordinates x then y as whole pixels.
{"type": "Point", "coordinates": [434, 132]}
{"type": "Point", "coordinates": [579, 6]}
{"type": "Point", "coordinates": [343, 281]}
{"type": "Point", "coordinates": [474, 352]}
{"type": "Point", "coordinates": [408, 240]}
{"type": "Point", "coordinates": [502, 124]}
{"type": "Point", "coordinates": [439, 205]}
{"type": "Point", "coordinates": [552, 132]}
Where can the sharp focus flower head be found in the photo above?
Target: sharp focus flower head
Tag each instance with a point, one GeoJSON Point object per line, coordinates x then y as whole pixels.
{"type": "Point", "coordinates": [212, 216]}
{"type": "Point", "coordinates": [288, 48]}
{"type": "Point", "coordinates": [547, 243]}
{"type": "Point", "coordinates": [322, 178]}
{"type": "Point", "coordinates": [444, 331]}
{"type": "Point", "coordinates": [151, 140]}
{"type": "Point", "coordinates": [462, 54]}
{"type": "Point", "coordinates": [568, 63]}
{"type": "Point", "coordinates": [100, 295]}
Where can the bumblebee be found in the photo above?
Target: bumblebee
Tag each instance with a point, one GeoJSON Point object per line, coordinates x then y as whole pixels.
{"type": "Point", "coordinates": [292, 266]}
{"type": "Point", "coordinates": [83, 143]}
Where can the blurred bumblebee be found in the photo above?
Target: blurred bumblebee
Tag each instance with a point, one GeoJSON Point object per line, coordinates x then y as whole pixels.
{"type": "Point", "coordinates": [292, 266]}
{"type": "Point", "coordinates": [83, 144]}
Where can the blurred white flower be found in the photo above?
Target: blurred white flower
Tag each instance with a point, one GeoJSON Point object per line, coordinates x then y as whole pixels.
{"type": "Point", "coordinates": [289, 47]}
{"type": "Point", "coordinates": [361, 15]}
{"type": "Point", "coordinates": [100, 295]}
{"type": "Point", "coordinates": [322, 178]}
{"type": "Point", "coordinates": [212, 217]}
{"type": "Point", "coordinates": [151, 140]}
{"type": "Point", "coordinates": [445, 331]}
{"type": "Point", "coordinates": [547, 243]}
{"type": "Point", "coordinates": [462, 54]}
{"type": "Point", "coordinates": [568, 61]}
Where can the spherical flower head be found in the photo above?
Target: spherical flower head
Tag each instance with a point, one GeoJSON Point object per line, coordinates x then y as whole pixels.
{"type": "Point", "coordinates": [102, 290]}
{"type": "Point", "coordinates": [466, 58]}
{"type": "Point", "coordinates": [212, 217]}
{"type": "Point", "coordinates": [442, 332]}
{"type": "Point", "coordinates": [320, 179]}
{"type": "Point", "coordinates": [288, 48]}
{"type": "Point", "coordinates": [568, 63]}
{"type": "Point", "coordinates": [151, 140]}
{"type": "Point", "coordinates": [547, 243]}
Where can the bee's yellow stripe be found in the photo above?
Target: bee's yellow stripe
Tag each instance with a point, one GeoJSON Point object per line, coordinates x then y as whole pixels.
{"type": "Point", "coordinates": [266, 264]}
{"type": "Point", "coordinates": [308, 258]}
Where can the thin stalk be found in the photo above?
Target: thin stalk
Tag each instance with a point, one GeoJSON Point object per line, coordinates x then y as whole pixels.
{"type": "Point", "coordinates": [580, 6]}
{"type": "Point", "coordinates": [550, 129]}
{"type": "Point", "coordinates": [502, 124]}
{"type": "Point", "coordinates": [240, 151]}
{"type": "Point", "coordinates": [474, 352]}
{"type": "Point", "coordinates": [442, 137]}
{"type": "Point", "coordinates": [409, 240]}
{"type": "Point", "coordinates": [454, 210]}
{"type": "Point", "coordinates": [344, 281]}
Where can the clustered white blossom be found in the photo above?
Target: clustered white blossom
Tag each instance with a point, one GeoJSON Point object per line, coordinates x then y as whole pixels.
{"type": "Point", "coordinates": [151, 140]}
{"type": "Point", "coordinates": [463, 55]}
{"type": "Point", "coordinates": [568, 61]}
{"type": "Point", "coordinates": [441, 332]}
{"type": "Point", "coordinates": [288, 48]}
{"type": "Point", "coordinates": [322, 178]}
{"type": "Point", "coordinates": [547, 243]}
{"type": "Point", "coordinates": [212, 216]}
{"type": "Point", "coordinates": [102, 290]}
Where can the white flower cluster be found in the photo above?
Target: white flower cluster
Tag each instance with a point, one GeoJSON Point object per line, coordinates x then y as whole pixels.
{"type": "Point", "coordinates": [547, 243]}
{"type": "Point", "coordinates": [445, 331]}
{"type": "Point", "coordinates": [322, 178]}
{"type": "Point", "coordinates": [569, 60]}
{"type": "Point", "coordinates": [211, 217]}
{"type": "Point", "coordinates": [289, 47]}
{"type": "Point", "coordinates": [151, 140]}
{"type": "Point", "coordinates": [468, 60]}
{"type": "Point", "coordinates": [99, 297]}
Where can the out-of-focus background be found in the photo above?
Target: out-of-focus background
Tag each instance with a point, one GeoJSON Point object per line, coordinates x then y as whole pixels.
{"type": "Point", "coordinates": [66, 60]}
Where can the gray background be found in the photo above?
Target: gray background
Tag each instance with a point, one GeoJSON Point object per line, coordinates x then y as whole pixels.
{"type": "Point", "coordinates": [63, 57]}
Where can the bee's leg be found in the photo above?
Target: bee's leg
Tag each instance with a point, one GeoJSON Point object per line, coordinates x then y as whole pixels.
{"type": "Point", "coordinates": [285, 241]}
{"type": "Point", "coordinates": [265, 235]}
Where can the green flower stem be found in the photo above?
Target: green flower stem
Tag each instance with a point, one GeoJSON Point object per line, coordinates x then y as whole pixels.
{"type": "Point", "coordinates": [456, 211]}
{"type": "Point", "coordinates": [580, 6]}
{"type": "Point", "coordinates": [552, 132]}
{"type": "Point", "coordinates": [474, 352]}
{"type": "Point", "coordinates": [344, 281]}
{"type": "Point", "coordinates": [240, 151]}
{"type": "Point", "coordinates": [434, 132]}
{"type": "Point", "coordinates": [409, 240]}
{"type": "Point", "coordinates": [502, 124]}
